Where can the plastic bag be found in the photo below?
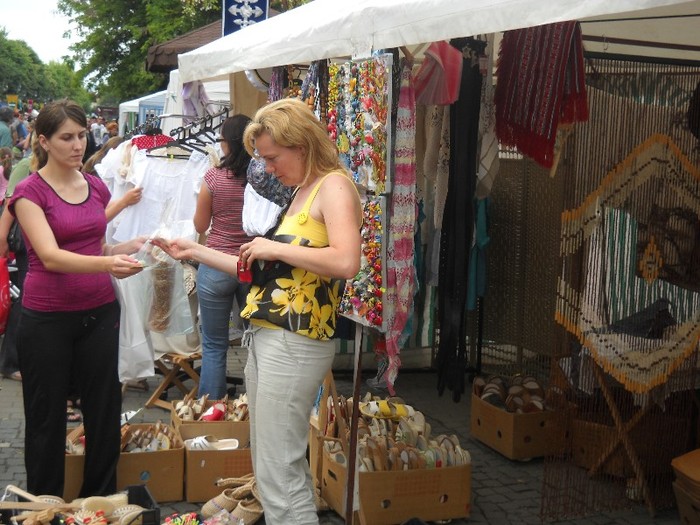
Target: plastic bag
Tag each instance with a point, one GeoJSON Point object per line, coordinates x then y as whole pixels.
{"type": "Point", "coordinates": [5, 299]}
{"type": "Point", "coordinates": [259, 213]}
{"type": "Point", "coordinates": [147, 313]}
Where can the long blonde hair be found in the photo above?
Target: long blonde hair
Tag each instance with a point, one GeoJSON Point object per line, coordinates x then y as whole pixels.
{"type": "Point", "coordinates": [291, 123]}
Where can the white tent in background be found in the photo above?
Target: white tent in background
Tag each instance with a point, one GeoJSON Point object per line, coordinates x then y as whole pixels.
{"type": "Point", "coordinates": [134, 112]}
{"type": "Point", "coordinates": [346, 28]}
{"type": "Point", "coordinates": [217, 91]}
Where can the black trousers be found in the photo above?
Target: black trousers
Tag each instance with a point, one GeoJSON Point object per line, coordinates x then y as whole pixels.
{"type": "Point", "coordinates": [57, 350]}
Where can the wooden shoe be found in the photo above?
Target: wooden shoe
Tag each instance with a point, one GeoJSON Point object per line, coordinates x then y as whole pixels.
{"type": "Point", "coordinates": [406, 433]}
{"type": "Point", "coordinates": [378, 452]}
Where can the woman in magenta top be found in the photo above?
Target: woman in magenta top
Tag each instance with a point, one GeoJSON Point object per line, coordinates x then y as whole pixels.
{"type": "Point", "coordinates": [220, 205]}
{"type": "Point", "coordinates": [68, 333]}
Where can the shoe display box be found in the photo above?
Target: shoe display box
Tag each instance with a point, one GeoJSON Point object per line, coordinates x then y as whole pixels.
{"type": "Point", "coordinates": [204, 467]}
{"type": "Point", "coordinates": [315, 459]}
{"type": "Point", "coordinates": [176, 421]}
{"type": "Point", "coordinates": [520, 436]}
{"type": "Point", "coordinates": [390, 497]}
{"type": "Point", "coordinates": [688, 506]}
{"type": "Point", "coordinates": [162, 472]}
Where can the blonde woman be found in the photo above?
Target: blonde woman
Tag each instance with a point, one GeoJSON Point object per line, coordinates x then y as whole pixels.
{"type": "Point", "coordinates": [292, 304]}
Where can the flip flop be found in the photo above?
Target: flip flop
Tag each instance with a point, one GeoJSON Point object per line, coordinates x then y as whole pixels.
{"type": "Point", "coordinates": [211, 443]}
{"type": "Point", "coordinates": [386, 410]}
{"type": "Point", "coordinates": [72, 416]}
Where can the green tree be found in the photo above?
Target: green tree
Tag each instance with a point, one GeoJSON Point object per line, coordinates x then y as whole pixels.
{"type": "Point", "coordinates": [21, 70]}
{"type": "Point", "coordinates": [114, 37]}
{"type": "Point", "coordinates": [22, 73]}
{"type": "Point", "coordinates": [63, 81]}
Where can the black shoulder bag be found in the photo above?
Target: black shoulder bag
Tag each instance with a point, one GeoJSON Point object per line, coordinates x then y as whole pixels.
{"type": "Point", "coordinates": [14, 238]}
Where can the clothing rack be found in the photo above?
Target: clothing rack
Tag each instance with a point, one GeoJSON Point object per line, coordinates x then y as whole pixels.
{"type": "Point", "coordinates": [151, 124]}
{"type": "Point", "coordinates": [194, 136]}
{"type": "Point", "coordinates": [204, 124]}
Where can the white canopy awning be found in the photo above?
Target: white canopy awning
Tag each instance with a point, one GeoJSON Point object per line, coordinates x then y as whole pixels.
{"type": "Point", "coordinates": [129, 109]}
{"type": "Point", "coordinates": [355, 28]}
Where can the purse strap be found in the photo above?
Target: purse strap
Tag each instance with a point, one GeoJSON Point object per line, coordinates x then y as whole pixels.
{"type": "Point", "coordinates": [271, 232]}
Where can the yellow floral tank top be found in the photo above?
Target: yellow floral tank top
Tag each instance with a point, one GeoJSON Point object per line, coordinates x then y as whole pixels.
{"type": "Point", "coordinates": [283, 296]}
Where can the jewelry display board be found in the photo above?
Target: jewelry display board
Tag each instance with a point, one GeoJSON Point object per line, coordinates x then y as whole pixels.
{"type": "Point", "coordinates": [359, 109]}
{"type": "Point", "coordinates": [363, 297]}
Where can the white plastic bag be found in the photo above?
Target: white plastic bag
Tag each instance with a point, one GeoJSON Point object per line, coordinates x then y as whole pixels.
{"type": "Point", "coordinates": [259, 214]}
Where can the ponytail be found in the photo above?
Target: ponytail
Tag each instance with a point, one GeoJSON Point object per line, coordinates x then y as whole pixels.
{"type": "Point", "coordinates": [39, 157]}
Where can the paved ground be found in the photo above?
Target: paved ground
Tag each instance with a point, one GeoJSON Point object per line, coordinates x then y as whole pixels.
{"type": "Point", "coordinates": [503, 491]}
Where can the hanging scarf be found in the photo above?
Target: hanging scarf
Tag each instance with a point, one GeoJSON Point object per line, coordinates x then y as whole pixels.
{"type": "Point", "coordinates": [400, 263]}
{"type": "Point", "coordinates": [540, 85]}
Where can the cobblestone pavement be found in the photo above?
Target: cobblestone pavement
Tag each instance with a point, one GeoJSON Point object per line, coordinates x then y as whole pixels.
{"type": "Point", "coordinates": [503, 491]}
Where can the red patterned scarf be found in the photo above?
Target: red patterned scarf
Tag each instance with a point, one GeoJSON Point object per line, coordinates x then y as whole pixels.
{"type": "Point", "coordinates": [540, 85]}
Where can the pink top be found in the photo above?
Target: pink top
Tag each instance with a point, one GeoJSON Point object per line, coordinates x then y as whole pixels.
{"type": "Point", "coordinates": [79, 228]}
{"type": "Point", "coordinates": [226, 233]}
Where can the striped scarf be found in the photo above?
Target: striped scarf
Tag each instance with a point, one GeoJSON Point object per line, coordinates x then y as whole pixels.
{"type": "Point", "coordinates": [540, 85]}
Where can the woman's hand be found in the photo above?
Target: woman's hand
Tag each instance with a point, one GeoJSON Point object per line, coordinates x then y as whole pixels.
{"type": "Point", "coordinates": [259, 248]}
{"type": "Point", "coordinates": [132, 196]}
{"type": "Point", "coordinates": [134, 245]}
{"type": "Point", "coordinates": [179, 249]}
{"type": "Point", "coordinates": [122, 266]}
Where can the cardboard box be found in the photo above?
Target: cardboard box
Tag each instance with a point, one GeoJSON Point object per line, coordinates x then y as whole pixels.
{"type": "Point", "coordinates": [688, 507]}
{"type": "Point", "coordinates": [519, 436]}
{"type": "Point", "coordinates": [163, 472]}
{"type": "Point", "coordinates": [589, 440]}
{"type": "Point", "coordinates": [227, 426]}
{"type": "Point", "coordinates": [204, 467]}
{"type": "Point", "coordinates": [314, 450]}
{"type": "Point", "coordinates": [391, 497]}
{"type": "Point", "coordinates": [597, 446]}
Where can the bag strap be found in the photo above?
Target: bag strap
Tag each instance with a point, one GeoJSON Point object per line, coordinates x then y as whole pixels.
{"type": "Point", "coordinates": [271, 232]}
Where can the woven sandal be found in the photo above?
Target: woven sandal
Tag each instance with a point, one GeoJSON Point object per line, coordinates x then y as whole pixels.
{"type": "Point", "coordinates": [250, 509]}
{"type": "Point", "coordinates": [224, 501]}
{"type": "Point", "coordinates": [235, 482]}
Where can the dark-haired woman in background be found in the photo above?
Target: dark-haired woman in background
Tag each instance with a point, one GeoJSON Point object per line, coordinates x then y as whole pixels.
{"type": "Point", "coordinates": [220, 204]}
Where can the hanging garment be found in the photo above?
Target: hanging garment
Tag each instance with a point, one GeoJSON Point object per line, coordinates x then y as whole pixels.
{"type": "Point", "coordinates": [437, 79]}
{"type": "Point", "coordinates": [400, 249]}
{"type": "Point", "coordinates": [540, 85]}
{"type": "Point", "coordinates": [151, 141]}
{"type": "Point", "coordinates": [170, 189]}
{"type": "Point", "coordinates": [456, 234]}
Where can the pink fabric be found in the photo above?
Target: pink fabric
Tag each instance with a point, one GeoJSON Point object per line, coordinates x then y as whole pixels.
{"type": "Point", "coordinates": [151, 141]}
{"type": "Point", "coordinates": [438, 79]}
{"type": "Point", "coordinates": [78, 228]}
{"type": "Point", "coordinates": [400, 247]}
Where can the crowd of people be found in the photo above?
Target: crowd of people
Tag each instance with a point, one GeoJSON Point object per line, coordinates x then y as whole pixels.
{"type": "Point", "coordinates": [64, 339]}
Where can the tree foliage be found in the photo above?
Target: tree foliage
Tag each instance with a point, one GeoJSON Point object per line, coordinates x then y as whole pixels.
{"type": "Point", "coordinates": [114, 37]}
{"type": "Point", "coordinates": [22, 73]}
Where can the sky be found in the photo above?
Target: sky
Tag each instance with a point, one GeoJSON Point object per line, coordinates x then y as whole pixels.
{"type": "Point", "coordinates": [38, 23]}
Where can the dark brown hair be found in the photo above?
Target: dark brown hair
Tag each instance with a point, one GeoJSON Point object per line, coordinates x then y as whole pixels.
{"type": "Point", "coordinates": [51, 117]}
{"type": "Point", "coordinates": [238, 158]}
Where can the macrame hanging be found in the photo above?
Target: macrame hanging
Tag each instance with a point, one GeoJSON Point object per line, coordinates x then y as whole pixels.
{"type": "Point", "coordinates": [628, 295]}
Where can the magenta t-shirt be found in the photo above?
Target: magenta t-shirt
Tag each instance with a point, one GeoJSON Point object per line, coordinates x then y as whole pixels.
{"type": "Point", "coordinates": [79, 228]}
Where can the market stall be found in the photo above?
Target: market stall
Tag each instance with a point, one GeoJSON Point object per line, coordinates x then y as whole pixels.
{"type": "Point", "coordinates": [349, 35]}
